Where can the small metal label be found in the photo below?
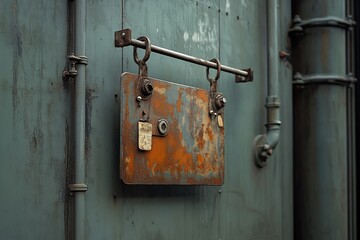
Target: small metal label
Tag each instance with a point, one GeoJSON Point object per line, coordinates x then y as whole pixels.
{"type": "Point", "coordinates": [145, 136]}
{"type": "Point", "coordinates": [220, 121]}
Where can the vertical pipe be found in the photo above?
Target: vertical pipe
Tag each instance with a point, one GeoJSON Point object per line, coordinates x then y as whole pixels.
{"type": "Point", "coordinates": [273, 49]}
{"type": "Point", "coordinates": [265, 144]}
{"type": "Point", "coordinates": [80, 119]}
{"type": "Point", "coordinates": [320, 127]}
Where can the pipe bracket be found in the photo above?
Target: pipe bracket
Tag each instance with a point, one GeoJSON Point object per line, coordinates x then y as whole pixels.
{"type": "Point", "coordinates": [73, 60]}
{"type": "Point", "coordinates": [300, 79]}
{"type": "Point", "coordinates": [299, 25]}
{"type": "Point", "coordinates": [78, 187]}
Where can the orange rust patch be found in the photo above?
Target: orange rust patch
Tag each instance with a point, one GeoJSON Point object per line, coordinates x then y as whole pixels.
{"type": "Point", "coordinates": [178, 103]}
{"type": "Point", "coordinates": [200, 138]}
{"type": "Point", "coordinates": [203, 95]}
{"type": "Point", "coordinates": [168, 156]}
{"type": "Point", "coordinates": [200, 161]}
{"type": "Point", "coordinates": [159, 103]}
{"type": "Point", "coordinates": [210, 134]}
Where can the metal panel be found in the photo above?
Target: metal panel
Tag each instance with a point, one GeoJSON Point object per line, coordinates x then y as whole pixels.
{"type": "Point", "coordinates": [33, 125]}
{"type": "Point", "coordinates": [192, 151]}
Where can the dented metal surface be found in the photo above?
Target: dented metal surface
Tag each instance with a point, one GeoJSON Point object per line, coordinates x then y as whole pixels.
{"type": "Point", "coordinates": [187, 144]}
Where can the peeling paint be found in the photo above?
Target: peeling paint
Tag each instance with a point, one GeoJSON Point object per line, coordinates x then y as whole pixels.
{"type": "Point", "coordinates": [227, 6]}
{"type": "Point", "coordinates": [186, 36]}
{"type": "Point", "coordinates": [207, 34]}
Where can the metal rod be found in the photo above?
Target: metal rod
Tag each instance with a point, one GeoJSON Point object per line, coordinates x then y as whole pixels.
{"type": "Point", "coordinates": [123, 39]}
{"type": "Point", "coordinates": [188, 58]}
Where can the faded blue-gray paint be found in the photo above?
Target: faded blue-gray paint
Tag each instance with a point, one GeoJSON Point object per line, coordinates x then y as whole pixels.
{"type": "Point", "coordinates": [34, 105]}
{"type": "Point", "coordinates": [253, 203]}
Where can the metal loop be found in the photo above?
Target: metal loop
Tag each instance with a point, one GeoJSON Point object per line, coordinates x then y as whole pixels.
{"type": "Point", "coordinates": [215, 60]}
{"type": "Point", "coordinates": [147, 50]}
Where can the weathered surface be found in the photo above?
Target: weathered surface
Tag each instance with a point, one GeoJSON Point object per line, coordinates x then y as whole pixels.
{"type": "Point", "coordinates": [33, 125]}
{"type": "Point", "coordinates": [192, 151]}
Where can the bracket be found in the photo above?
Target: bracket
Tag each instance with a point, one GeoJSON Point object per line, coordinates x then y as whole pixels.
{"type": "Point", "coordinates": [298, 24]}
{"type": "Point", "coordinates": [72, 61]}
{"type": "Point", "coordinates": [300, 79]}
{"type": "Point", "coordinates": [78, 187]}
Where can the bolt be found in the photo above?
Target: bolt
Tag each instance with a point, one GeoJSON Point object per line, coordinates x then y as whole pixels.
{"type": "Point", "coordinates": [138, 98]}
{"type": "Point", "coordinates": [163, 126]}
{"type": "Point", "coordinates": [147, 87]}
{"type": "Point", "coordinates": [211, 112]}
{"type": "Point", "coordinates": [220, 101]}
{"type": "Point", "coordinates": [220, 191]}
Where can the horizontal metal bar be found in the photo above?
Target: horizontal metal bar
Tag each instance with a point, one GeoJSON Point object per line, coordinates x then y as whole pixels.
{"type": "Point", "coordinates": [123, 39]}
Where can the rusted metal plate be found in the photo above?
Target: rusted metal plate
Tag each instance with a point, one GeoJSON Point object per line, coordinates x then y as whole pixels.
{"type": "Point", "coordinates": [187, 145]}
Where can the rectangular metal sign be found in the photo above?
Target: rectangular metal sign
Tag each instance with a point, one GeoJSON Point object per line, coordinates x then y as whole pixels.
{"type": "Point", "coordinates": [169, 137]}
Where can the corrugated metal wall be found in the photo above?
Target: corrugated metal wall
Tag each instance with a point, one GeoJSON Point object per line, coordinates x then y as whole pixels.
{"type": "Point", "coordinates": [36, 129]}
